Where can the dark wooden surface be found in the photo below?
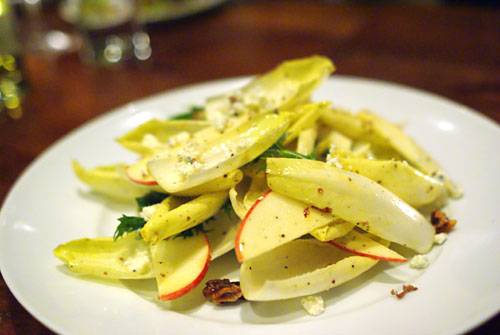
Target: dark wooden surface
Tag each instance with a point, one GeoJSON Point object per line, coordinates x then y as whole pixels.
{"type": "Point", "coordinates": [451, 51]}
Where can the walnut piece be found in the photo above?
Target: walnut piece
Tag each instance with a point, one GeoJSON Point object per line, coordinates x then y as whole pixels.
{"type": "Point", "coordinates": [406, 289]}
{"type": "Point", "coordinates": [221, 291]}
{"type": "Point", "coordinates": [441, 222]}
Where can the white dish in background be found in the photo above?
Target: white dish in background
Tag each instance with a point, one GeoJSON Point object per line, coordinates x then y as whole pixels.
{"type": "Point", "coordinates": [458, 291]}
{"type": "Point", "coordinates": [153, 11]}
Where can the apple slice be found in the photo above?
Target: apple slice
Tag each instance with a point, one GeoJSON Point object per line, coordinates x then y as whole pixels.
{"type": "Point", "coordinates": [273, 220]}
{"type": "Point", "coordinates": [301, 267]}
{"type": "Point", "coordinates": [360, 244]}
{"type": "Point", "coordinates": [180, 264]}
{"type": "Point", "coordinates": [139, 172]}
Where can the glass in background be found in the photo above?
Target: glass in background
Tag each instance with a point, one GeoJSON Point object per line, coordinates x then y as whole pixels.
{"type": "Point", "coordinates": [36, 32]}
{"type": "Point", "coordinates": [110, 30]}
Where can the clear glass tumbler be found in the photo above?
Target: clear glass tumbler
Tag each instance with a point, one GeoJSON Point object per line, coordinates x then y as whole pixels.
{"type": "Point", "coordinates": [109, 28]}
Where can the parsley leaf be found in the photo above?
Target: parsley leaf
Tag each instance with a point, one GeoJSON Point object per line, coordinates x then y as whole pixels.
{"type": "Point", "coordinates": [128, 224]}
{"type": "Point", "coordinates": [195, 230]}
{"type": "Point", "coordinates": [228, 208]}
{"type": "Point", "coordinates": [193, 114]}
{"type": "Point", "coordinates": [149, 199]}
{"type": "Point", "coordinates": [278, 150]}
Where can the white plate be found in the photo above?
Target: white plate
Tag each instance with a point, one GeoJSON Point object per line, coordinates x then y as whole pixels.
{"type": "Point", "coordinates": [458, 291]}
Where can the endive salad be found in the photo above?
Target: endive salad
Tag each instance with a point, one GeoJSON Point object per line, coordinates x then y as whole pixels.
{"type": "Point", "coordinates": [308, 195]}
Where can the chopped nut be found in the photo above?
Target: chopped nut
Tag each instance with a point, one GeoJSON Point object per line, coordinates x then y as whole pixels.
{"type": "Point", "coordinates": [222, 291]}
{"type": "Point", "coordinates": [406, 289]}
{"type": "Point", "coordinates": [441, 222]}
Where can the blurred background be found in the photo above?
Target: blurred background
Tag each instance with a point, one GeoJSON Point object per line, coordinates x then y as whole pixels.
{"type": "Point", "coordinates": [47, 44]}
{"type": "Point", "coordinates": [63, 63]}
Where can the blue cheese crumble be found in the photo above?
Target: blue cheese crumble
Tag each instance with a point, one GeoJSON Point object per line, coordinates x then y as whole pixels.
{"type": "Point", "coordinates": [150, 141]}
{"type": "Point", "coordinates": [313, 304]}
{"type": "Point", "coordinates": [177, 139]}
{"type": "Point", "coordinates": [419, 262]}
{"type": "Point", "coordinates": [440, 238]}
{"type": "Point", "coordinates": [147, 212]}
{"type": "Point", "coordinates": [332, 158]}
{"type": "Point", "coordinates": [139, 262]}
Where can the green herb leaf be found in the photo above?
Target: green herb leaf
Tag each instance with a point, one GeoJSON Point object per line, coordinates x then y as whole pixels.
{"type": "Point", "coordinates": [228, 209]}
{"type": "Point", "coordinates": [128, 224]}
{"type": "Point", "coordinates": [193, 114]}
{"type": "Point", "coordinates": [278, 150]}
{"type": "Point", "coordinates": [195, 230]}
{"type": "Point", "coordinates": [151, 198]}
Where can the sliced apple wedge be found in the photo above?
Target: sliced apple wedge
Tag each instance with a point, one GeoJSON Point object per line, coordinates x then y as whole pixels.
{"type": "Point", "coordinates": [225, 182]}
{"type": "Point", "coordinates": [274, 220]}
{"type": "Point", "coordinates": [353, 198]}
{"type": "Point", "coordinates": [362, 245]}
{"type": "Point", "coordinates": [180, 264]}
{"type": "Point", "coordinates": [139, 172]}
{"type": "Point", "coordinates": [301, 267]}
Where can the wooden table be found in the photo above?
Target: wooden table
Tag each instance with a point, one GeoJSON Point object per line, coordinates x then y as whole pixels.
{"type": "Point", "coordinates": [451, 51]}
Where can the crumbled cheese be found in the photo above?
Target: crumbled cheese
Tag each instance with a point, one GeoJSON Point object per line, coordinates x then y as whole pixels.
{"type": "Point", "coordinates": [187, 168]}
{"type": "Point", "coordinates": [419, 262]}
{"type": "Point", "coordinates": [238, 108]}
{"type": "Point", "coordinates": [178, 138]}
{"type": "Point", "coordinates": [150, 141]}
{"type": "Point", "coordinates": [187, 159]}
{"type": "Point", "coordinates": [313, 304]}
{"type": "Point", "coordinates": [189, 152]}
{"type": "Point", "coordinates": [440, 238]}
{"type": "Point", "coordinates": [219, 120]}
{"type": "Point", "coordinates": [139, 261]}
{"type": "Point", "coordinates": [147, 212]}
{"type": "Point", "coordinates": [332, 159]}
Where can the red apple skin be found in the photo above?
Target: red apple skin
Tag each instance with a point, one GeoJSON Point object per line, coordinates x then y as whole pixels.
{"type": "Point", "coordinates": [192, 285]}
{"type": "Point", "coordinates": [239, 256]}
{"type": "Point", "coordinates": [342, 247]}
{"type": "Point", "coordinates": [131, 176]}
{"type": "Point", "coordinates": [189, 287]}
